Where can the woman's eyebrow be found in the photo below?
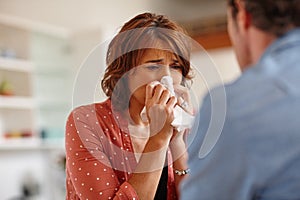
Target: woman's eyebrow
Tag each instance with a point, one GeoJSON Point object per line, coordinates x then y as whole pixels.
{"type": "Point", "coordinates": [160, 60]}
{"type": "Point", "coordinates": [154, 61]}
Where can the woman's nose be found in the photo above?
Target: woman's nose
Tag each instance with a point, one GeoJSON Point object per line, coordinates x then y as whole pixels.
{"type": "Point", "coordinates": [165, 71]}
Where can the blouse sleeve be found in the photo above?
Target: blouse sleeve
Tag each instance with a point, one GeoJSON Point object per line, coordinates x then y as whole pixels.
{"type": "Point", "coordinates": [88, 167]}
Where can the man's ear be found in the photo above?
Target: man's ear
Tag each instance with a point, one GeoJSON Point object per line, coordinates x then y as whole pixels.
{"type": "Point", "coordinates": [243, 17]}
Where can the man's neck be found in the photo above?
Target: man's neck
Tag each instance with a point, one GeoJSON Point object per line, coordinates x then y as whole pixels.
{"type": "Point", "coordinates": [259, 41]}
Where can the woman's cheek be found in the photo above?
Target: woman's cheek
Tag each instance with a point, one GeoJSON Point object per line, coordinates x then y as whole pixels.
{"type": "Point", "coordinates": [177, 78]}
{"type": "Point", "coordinates": [140, 93]}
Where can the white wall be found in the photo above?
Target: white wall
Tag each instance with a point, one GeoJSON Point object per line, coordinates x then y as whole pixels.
{"type": "Point", "coordinates": [225, 61]}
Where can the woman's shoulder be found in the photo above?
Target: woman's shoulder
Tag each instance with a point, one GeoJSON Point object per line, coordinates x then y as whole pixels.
{"type": "Point", "coordinates": [98, 113]}
{"type": "Point", "coordinates": [94, 107]}
{"type": "Point", "coordinates": [103, 106]}
{"type": "Point", "coordinates": [90, 111]}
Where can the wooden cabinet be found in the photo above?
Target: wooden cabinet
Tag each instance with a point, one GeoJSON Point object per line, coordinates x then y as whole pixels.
{"type": "Point", "coordinates": [213, 40]}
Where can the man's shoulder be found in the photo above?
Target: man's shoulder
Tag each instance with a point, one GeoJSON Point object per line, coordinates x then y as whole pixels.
{"type": "Point", "coordinates": [247, 86]}
{"type": "Point", "coordinates": [251, 89]}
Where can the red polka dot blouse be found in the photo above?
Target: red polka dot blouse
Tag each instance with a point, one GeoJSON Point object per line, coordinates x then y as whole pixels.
{"type": "Point", "coordinates": [100, 156]}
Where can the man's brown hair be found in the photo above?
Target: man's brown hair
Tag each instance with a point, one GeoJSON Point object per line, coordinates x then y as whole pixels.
{"type": "Point", "coordinates": [273, 16]}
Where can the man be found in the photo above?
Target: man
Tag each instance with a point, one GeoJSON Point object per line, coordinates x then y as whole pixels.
{"type": "Point", "coordinates": [257, 155]}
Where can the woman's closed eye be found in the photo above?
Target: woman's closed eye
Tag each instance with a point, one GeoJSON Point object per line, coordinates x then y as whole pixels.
{"type": "Point", "coordinates": [158, 67]}
{"type": "Point", "coordinates": [153, 67]}
{"type": "Point", "coordinates": [177, 67]}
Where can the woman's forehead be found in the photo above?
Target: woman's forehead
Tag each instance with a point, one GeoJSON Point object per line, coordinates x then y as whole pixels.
{"type": "Point", "coordinates": [157, 44]}
{"type": "Point", "coordinates": [153, 54]}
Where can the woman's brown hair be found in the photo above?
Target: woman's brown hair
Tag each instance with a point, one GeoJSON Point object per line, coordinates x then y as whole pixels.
{"type": "Point", "coordinates": [126, 49]}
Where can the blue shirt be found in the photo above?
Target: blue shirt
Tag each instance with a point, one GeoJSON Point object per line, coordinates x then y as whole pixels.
{"type": "Point", "coordinates": [257, 155]}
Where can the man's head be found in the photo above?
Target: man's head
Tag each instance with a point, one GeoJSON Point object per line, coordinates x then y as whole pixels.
{"type": "Point", "coordinates": [254, 24]}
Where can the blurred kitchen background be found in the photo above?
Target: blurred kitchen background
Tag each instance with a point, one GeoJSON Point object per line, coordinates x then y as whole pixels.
{"type": "Point", "coordinates": [42, 45]}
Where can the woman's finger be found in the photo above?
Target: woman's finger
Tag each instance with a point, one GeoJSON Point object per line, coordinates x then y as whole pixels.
{"type": "Point", "coordinates": [164, 98]}
{"type": "Point", "coordinates": [172, 102]}
{"type": "Point", "coordinates": [181, 91]}
{"type": "Point", "coordinates": [157, 92]}
{"type": "Point", "coordinates": [150, 89]}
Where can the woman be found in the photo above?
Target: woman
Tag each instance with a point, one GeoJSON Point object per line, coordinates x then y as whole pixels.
{"type": "Point", "coordinates": [112, 152]}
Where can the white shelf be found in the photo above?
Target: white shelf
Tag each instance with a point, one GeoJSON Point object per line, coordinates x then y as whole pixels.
{"type": "Point", "coordinates": [16, 102]}
{"type": "Point", "coordinates": [17, 65]}
{"type": "Point", "coordinates": [31, 144]}
{"type": "Point", "coordinates": [34, 26]}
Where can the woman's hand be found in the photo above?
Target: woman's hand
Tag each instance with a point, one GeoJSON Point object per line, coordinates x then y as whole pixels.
{"type": "Point", "coordinates": [184, 101]}
{"type": "Point", "coordinates": [184, 98]}
{"type": "Point", "coordinates": [159, 106]}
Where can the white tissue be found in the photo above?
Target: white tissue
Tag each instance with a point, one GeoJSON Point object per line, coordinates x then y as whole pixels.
{"type": "Point", "coordinates": [167, 81]}
{"type": "Point", "coordinates": [182, 120]}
